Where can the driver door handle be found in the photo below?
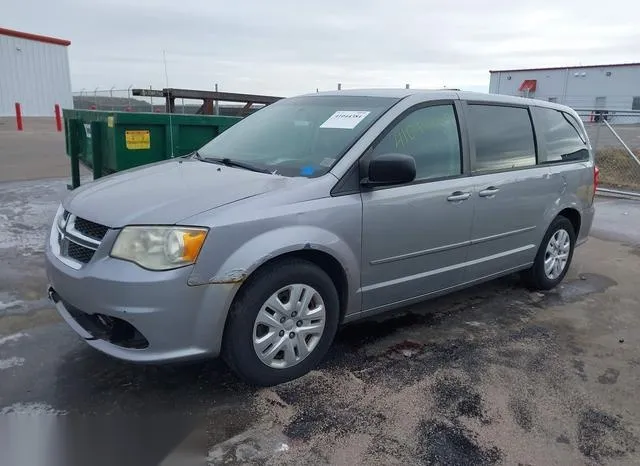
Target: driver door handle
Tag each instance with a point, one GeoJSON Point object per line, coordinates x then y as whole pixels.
{"type": "Point", "coordinates": [489, 192]}
{"type": "Point", "coordinates": [458, 196]}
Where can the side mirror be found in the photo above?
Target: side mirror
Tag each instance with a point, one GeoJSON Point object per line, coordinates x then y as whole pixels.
{"type": "Point", "coordinates": [389, 169]}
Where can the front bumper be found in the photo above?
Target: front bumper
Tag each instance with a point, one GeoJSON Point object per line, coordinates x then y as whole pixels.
{"type": "Point", "coordinates": [159, 318]}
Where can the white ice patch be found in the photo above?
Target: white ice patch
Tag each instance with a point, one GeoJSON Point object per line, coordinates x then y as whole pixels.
{"type": "Point", "coordinates": [474, 323]}
{"type": "Point", "coordinates": [10, 338]}
{"type": "Point", "coordinates": [27, 210]}
{"type": "Point", "coordinates": [9, 305]}
{"type": "Point", "coordinates": [345, 119]}
{"type": "Point", "coordinates": [31, 409]}
{"type": "Point", "coordinates": [11, 362]}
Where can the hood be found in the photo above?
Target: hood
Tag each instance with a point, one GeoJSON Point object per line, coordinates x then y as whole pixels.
{"type": "Point", "coordinates": [166, 193]}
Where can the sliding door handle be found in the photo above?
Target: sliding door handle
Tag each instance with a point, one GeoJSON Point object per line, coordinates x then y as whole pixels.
{"type": "Point", "coordinates": [458, 196]}
{"type": "Point", "coordinates": [489, 192]}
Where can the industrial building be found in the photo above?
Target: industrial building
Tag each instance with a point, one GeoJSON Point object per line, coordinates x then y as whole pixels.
{"type": "Point", "coordinates": [607, 87]}
{"type": "Point", "coordinates": [34, 72]}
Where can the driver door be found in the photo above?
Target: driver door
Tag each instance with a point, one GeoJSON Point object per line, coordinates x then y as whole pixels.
{"type": "Point", "coordinates": [416, 236]}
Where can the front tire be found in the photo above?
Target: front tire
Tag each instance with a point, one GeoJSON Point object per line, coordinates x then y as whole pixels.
{"type": "Point", "coordinates": [282, 323]}
{"type": "Point", "coordinates": [554, 256]}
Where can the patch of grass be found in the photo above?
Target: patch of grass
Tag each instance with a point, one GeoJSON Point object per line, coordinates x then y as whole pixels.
{"type": "Point", "coordinates": [618, 169]}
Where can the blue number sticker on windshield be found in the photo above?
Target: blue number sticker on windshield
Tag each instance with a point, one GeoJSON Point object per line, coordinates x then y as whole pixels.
{"type": "Point", "coordinates": [307, 171]}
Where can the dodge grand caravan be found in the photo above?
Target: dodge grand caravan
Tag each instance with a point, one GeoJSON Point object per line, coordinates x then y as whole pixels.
{"type": "Point", "coordinates": [316, 211]}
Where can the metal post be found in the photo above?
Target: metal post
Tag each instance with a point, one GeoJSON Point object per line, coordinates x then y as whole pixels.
{"type": "Point", "coordinates": [74, 151]}
{"type": "Point", "coordinates": [95, 98]}
{"type": "Point", "coordinates": [151, 97]}
{"type": "Point", "coordinates": [216, 104]}
{"type": "Point", "coordinates": [19, 126]}
{"type": "Point", "coordinates": [597, 138]}
{"type": "Point", "coordinates": [97, 134]}
{"type": "Point", "coordinates": [129, 95]}
{"type": "Point", "coordinates": [56, 110]}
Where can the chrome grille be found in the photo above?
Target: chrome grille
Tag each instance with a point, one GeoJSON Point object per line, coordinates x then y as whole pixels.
{"type": "Point", "coordinates": [75, 240]}
{"type": "Point", "coordinates": [79, 253]}
{"type": "Point", "coordinates": [90, 229]}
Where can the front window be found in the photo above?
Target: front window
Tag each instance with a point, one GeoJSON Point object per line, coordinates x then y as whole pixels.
{"type": "Point", "coordinates": [301, 136]}
{"type": "Point", "coordinates": [430, 135]}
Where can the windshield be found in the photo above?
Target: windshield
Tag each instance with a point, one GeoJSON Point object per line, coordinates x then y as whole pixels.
{"type": "Point", "coordinates": [301, 136]}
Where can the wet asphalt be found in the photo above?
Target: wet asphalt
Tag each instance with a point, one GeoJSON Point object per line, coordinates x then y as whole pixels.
{"type": "Point", "coordinates": [486, 376]}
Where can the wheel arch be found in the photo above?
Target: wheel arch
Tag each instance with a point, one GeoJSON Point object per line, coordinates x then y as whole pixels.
{"type": "Point", "coordinates": [573, 215]}
{"type": "Point", "coordinates": [322, 259]}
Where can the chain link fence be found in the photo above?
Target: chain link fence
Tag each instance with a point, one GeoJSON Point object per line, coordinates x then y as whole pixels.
{"type": "Point", "coordinates": [122, 100]}
{"type": "Point", "coordinates": [615, 137]}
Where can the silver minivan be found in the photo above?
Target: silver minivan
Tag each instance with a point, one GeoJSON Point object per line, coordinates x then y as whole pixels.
{"type": "Point", "coordinates": [316, 211]}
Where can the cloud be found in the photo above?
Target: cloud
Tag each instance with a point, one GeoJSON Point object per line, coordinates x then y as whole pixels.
{"type": "Point", "coordinates": [287, 47]}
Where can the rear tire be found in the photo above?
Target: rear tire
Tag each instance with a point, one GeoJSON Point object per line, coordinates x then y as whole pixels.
{"type": "Point", "coordinates": [271, 338]}
{"type": "Point", "coordinates": [554, 256]}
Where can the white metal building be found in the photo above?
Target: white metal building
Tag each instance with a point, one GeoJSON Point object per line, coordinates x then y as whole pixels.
{"type": "Point", "coordinates": [34, 71]}
{"type": "Point", "coordinates": [610, 87]}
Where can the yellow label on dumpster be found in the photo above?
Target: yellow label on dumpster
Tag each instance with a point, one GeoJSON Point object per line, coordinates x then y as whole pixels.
{"type": "Point", "coordinates": [139, 139]}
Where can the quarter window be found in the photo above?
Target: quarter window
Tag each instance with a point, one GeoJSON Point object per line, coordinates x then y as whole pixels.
{"type": "Point", "coordinates": [430, 135]}
{"type": "Point", "coordinates": [563, 139]}
{"type": "Point", "coordinates": [503, 137]}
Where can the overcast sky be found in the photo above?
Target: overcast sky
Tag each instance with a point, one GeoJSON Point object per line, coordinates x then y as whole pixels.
{"type": "Point", "coordinates": [287, 47]}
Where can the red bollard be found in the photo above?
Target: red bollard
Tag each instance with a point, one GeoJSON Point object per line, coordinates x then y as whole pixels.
{"type": "Point", "coordinates": [18, 117]}
{"type": "Point", "coordinates": [58, 118]}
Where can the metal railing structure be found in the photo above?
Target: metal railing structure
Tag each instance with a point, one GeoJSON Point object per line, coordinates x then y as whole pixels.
{"type": "Point", "coordinates": [615, 138]}
{"type": "Point", "coordinates": [209, 100]}
{"type": "Point", "coordinates": [185, 101]}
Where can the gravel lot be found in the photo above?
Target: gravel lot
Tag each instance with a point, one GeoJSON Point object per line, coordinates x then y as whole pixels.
{"type": "Point", "coordinates": [492, 375]}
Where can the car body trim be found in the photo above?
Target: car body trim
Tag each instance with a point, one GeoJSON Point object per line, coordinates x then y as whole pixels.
{"type": "Point", "coordinates": [424, 252]}
{"type": "Point", "coordinates": [446, 269]}
{"type": "Point", "coordinates": [502, 235]}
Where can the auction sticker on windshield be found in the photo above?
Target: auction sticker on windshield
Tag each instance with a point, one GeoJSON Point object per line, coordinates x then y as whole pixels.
{"type": "Point", "coordinates": [345, 119]}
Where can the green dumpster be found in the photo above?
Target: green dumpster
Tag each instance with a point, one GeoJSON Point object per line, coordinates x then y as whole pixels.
{"type": "Point", "coordinates": [108, 142]}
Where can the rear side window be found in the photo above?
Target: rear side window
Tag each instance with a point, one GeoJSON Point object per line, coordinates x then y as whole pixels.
{"type": "Point", "coordinates": [563, 140]}
{"type": "Point", "coordinates": [503, 137]}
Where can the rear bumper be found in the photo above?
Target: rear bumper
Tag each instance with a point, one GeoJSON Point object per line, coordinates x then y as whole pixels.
{"type": "Point", "coordinates": [139, 315]}
{"type": "Point", "coordinates": [586, 221]}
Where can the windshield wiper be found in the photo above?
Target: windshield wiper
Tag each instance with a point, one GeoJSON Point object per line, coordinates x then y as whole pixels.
{"type": "Point", "coordinates": [232, 163]}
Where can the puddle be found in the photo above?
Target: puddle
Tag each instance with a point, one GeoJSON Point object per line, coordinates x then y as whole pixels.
{"type": "Point", "coordinates": [574, 290]}
{"type": "Point", "coordinates": [358, 334]}
{"type": "Point", "coordinates": [457, 398]}
{"type": "Point", "coordinates": [442, 443]}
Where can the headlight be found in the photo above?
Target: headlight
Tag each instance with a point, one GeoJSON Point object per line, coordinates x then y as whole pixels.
{"type": "Point", "coordinates": [159, 248]}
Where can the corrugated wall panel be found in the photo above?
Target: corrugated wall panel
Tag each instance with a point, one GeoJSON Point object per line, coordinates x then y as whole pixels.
{"type": "Point", "coordinates": [576, 87]}
{"type": "Point", "coordinates": [36, 74]}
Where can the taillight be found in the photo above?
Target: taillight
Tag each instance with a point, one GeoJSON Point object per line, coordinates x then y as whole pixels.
{"type": "Point", "coordinates": [596, 180]}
